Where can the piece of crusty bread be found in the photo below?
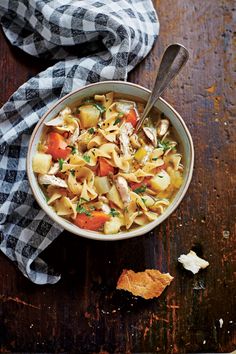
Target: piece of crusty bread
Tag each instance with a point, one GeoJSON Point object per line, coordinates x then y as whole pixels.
{"type": "Point", "coordinates": [148, 284]}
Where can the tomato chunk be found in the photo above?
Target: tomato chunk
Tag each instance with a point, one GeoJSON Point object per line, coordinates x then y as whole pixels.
{"type": "Point", "coordinates": [131, 117]}
{"type": "Point", "coordinates": [104, 167]}
{"type": "Point", "coordinates": [92, 222]}
{"type": "Point", "coordinates": [57, 146]}
{"type": "Point", "coordinates": [135, 185]}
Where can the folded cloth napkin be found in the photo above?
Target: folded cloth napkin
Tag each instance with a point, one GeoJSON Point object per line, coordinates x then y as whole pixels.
{"type": "Point", "coordinates": [96, 40]}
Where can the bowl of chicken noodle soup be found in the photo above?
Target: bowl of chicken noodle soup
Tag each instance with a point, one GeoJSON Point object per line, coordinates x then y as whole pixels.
{"type": "Point", "coordinates": [93, 175]}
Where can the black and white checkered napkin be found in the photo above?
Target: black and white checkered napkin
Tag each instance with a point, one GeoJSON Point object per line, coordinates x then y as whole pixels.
{"type": "Point", "coordinates": [95, 40]}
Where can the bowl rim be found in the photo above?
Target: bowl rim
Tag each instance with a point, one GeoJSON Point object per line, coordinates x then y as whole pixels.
{"type": "Point", "coordinates": [91, 234]}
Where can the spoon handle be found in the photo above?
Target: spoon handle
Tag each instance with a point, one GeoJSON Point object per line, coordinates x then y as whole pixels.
{"type": "Point", "coordinates": [174, 58]}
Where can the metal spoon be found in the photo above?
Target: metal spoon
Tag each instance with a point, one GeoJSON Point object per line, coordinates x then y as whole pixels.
{"type": "Point", "coordinates": [174, 58]}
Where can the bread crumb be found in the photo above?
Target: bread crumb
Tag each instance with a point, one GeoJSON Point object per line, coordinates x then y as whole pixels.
{"type": "Point", "coordinates": [148, 284]}
{"type": "Point", "coordinates": [221, 322]}
{"type": "Point", "coordinates": [192, 262]}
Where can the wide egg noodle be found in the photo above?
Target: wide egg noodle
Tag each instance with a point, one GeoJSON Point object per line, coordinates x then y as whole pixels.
{"type": "Point", "coordinates": [145, 218]}
{"type": "Point", "coordinates": [138, 200]}
{"type": "Point", "coordinates": [106, 100]}
{"type": "Point", "coordinates": [65, 207]}
{"type": "Point", "coordinates": [96, 141]}
{"type": "Point", "coordinates": [69, 124]}
{"type": "Point", "coordinates": [74, 186]}
{"type": "Point", "coordinates": [130, 214]}
{"type": "Point", "coordinates": [70, 166]}
{"type": "Point", "coordinates": [150, 166]}
{"type": "Point", "coordinates": [85, 174]}
{"type": "Point", "coordinates": [75, 160]}
{"type": "Point", "coordinates": [53, 198]}
{"type": "Point", "coordinates": [136, 176]}
{"type": "Point", "coordinates": [88, 193]}
{"type": "Point", "coordinates": [141, 220]}
{"type": "Point", "coordinates": [160, 206]}
{"type": "Point", "coordinates": [110, 116]}
{"type": "Point", "coordinates": [156, 153]}
{"type": "Point", "coordinates": [150, 215]}
{"type": "Point", "coordinates": [121, 162]}
{"type": "Point", "coordinates": [110, 136]}
{"type": "Point", "coordinates": [174, 160]}
{"type": "Point", "coordinates": [116, 160]}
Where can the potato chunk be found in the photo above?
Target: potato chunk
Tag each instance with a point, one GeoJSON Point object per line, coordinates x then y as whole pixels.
{"type": "Point", "coordinates": [102, 184]}
{"type": "Point", "coordinates": [113, 226]}
{"type": "Point", "coordinates": [89, 116]}
{"type": "Point", "coordinates": [41, 163]}
{"type": "Point", "coordinates": [161, 181]}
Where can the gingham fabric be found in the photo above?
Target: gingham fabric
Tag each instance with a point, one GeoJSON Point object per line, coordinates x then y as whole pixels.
{"type": "Point", "coordinates": [95, 40]}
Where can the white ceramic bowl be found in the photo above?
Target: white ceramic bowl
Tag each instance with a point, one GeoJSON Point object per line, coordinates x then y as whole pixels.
{"type": "Point", "coordinates": [119, 87]}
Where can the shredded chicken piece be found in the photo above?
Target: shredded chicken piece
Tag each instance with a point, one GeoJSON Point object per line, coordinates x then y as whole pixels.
{"type": "Point", "coordinates": [54, 169]}
{"type": "Point", "coordinates": [58, 121]}
{"type": "Point", "coordinates": [73, 138]}
{"type": "Point", "coordinates": [124, 106]}
{"type": "Point", "coordinates": [103, 199]}
{"type": "Point", "coordinates": [106, 208]}
{"type": "Point", "coordinates": [163, 127]}
{"type": "Point", "coordinates": [123, 189]}
{"type": "Point", "coordinates": [52, 180]}
{"type": "Point", "coordinates": [149, 150]}
{"type": "Point", "coordinates": [125, 131]}
{"type": "Point", "coordinates": [151, 135]}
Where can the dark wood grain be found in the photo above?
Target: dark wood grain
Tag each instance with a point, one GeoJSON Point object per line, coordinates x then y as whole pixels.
{"type": "Point", "coordinates": [83, 313]}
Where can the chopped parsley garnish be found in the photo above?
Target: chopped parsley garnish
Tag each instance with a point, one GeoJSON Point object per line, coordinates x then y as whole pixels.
{"type": "Point", "coordinates": [87, 100]}
{"type": "Point", "coordinates": [141, 189]}
{"type": "Point", "coordinates": [61, 161]}
{"type": "Point", "coordinates": [165, 145]}
{"type": "Point", "coordinates": [144, 200]}
{"type": "Point", "coordinates": [118, 120]}
{"type": "Point", "coordinates": [100, 107]}
{"type": "Point", "coordinates": [121, 114]}
{"type": "Point", "coordinates": [83, 200]}
{"type": "Point", "coordinates": [91, 130]}
{"type": "Point", "coordinates": [155, 158]}
{"type": "Point", "coordinates": [160, 176]}
{"type": "Point", "coordinates": [73, 149]}
{"type": "Point", "coordinates": [72, 172]}
{"type": "Point", "coordinates": [81, 210]}
{"type": "Point", "coordinates": [114, 212]}
{"type": "Point", "coordinates": [86, 158]}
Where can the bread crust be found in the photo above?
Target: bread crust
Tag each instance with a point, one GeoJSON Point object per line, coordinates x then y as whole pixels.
{"type": "Point", "coordinates": [148, 284]}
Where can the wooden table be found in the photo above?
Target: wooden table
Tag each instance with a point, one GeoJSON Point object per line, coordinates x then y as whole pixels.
{"type": "Point", "coordinates": [84, 313]}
